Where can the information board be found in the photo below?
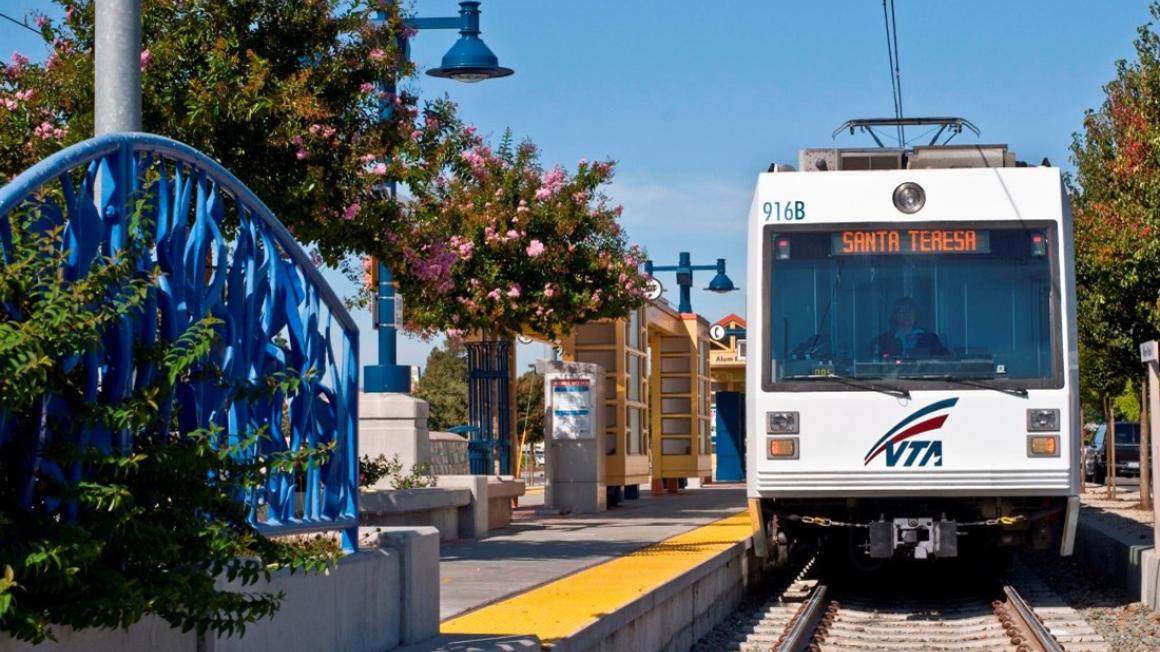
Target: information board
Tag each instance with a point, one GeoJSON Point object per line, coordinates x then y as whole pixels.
{"type": "Point", "coordinates": [572, 408]}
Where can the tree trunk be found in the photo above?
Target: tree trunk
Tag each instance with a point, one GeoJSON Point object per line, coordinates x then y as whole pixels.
{"type": "Point", "coordinates": [1145, 448]}
{"type": "Point", "coordinates": [1110, 444]}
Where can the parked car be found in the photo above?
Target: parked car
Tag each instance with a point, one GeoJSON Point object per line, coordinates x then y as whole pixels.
{"type": "Point", "coordinates": [1095, 463]}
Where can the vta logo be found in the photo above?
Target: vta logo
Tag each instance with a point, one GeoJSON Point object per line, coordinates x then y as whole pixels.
{"type": "Point", "coordinates": [901, 450]}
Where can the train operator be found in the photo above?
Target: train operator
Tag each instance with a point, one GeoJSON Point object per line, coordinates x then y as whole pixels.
{"type": "Point", "coordinates": [906, 339]}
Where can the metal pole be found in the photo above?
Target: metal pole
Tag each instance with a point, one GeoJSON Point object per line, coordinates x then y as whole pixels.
{"type": "Point", "coordinates": [387, 375]}
{"type": "Point", "coordinates": [1145, 448]}
{"type": "Point", "coordinates": [684, 267]}
{"type": "Point", "coordinates": [117, 66]}
{"type": "Point", "coordinates": [1154, 430]}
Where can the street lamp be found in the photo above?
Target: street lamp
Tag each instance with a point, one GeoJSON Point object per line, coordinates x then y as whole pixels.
{"type": "Point", "coordinates": [469, 60]}
{"type": "Point", "coordinates": [720, 283]}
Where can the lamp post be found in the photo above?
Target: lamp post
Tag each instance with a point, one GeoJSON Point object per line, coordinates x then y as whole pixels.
{"type": "Point", "coordinates": [720, 283]}
{"type": "Point", "coordinates": [470, 61]}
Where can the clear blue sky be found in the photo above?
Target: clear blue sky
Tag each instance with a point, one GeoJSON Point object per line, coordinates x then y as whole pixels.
{"type": "Point", "coordinates": [694, 98]}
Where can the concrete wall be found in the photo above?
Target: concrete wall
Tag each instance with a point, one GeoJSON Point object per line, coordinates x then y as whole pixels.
{"type": "Point", "coordinates": [393, 424]}
{"type": "Point", "coordinates": [448, 454]}
{"type": "Point", "coordinates": [372, 601]}
{"type": "Point", "coordinates": [444, 508]}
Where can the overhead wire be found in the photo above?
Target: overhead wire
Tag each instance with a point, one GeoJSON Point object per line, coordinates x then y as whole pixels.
{"type": "Point", "coordinates": [897, 73]}
{"type": "Point", "coordinates": [891, 22]}
{"type": "Point", "coordinates": [23, 24]}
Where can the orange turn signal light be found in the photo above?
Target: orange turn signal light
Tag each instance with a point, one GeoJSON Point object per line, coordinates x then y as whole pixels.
{"type": "Point", "coordinates": [783, 447]}
{"type": "Point", "coordinates": [1043, 446]}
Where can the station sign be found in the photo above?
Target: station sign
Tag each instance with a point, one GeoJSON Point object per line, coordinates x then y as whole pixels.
{"type": "Point", "coordinates": [1148, 352]}
{"type": "Point", "coordinates": [572, 408]}
{"type": "Point", "coordinates": [653, 289]}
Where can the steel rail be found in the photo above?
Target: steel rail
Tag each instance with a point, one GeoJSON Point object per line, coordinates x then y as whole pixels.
{"type": "Point", "coordinates": [800, 632]}
{"type": "Point", "coordinates": [1032, 625]}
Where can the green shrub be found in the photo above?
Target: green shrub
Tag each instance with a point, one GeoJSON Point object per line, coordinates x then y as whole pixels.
{"type": "Point", "coordinates": [157, 522]}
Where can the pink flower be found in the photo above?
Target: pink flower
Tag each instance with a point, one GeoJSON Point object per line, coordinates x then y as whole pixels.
{"type": "Point", "coordinates": [377, 54]}
{"type": "Point", "coordinates": [432, 123]}
{"type": "Point", "coordinates": [41, 21]}
{"type": "Point", "coordinates": [549, 290]}
{"type": "Point", "coordinates": [314, 129]}
{"type": "Point", "coordinates": [379, 169]}
{"type": "Point", "coordinates": [25, 95]}
{"type": "Point", "coordinates": [512, 234]}
{"type": "Point", "coordinates": [366, 88]}
{"type": "Point", "coordinates": [300, 155]}
{"type": "Point", "coordinates": [535, 248]}
{"type": "Point", "coordinates": [514, 292]}
{"type": "Point", "coordinates": [146, 59]}
{"type": "Point", "coordinates": [296, 141]}
{"type": "Point", "coordinates": [9, 104]}
{"type": "Point", "coordinates": [494, 294]}
{"type": "Point", "coordinates": [351, 211]}
{"type": "Point", "coordinates": [52, 62]}
{"type": "Point", "coordinates": [477, 158]}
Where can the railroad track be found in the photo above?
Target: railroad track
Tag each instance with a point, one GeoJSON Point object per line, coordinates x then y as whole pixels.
{"type": "Point", "coordinates": [809, 614]}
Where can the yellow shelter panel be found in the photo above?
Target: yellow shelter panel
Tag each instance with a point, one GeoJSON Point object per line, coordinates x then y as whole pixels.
{"type": "Point", "coordinates": [618, 347]}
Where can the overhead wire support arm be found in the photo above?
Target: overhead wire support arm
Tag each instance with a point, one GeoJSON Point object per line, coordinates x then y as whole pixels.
{"type": "Point", "coordinates": [866, 125]}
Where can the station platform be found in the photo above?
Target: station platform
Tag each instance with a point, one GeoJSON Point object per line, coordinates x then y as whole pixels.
{"type": "Point", "coordinates": [549, 577]}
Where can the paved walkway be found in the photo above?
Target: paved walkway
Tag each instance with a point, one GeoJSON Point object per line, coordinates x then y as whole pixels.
{"type": "Point", "coordinates": [534, 550]}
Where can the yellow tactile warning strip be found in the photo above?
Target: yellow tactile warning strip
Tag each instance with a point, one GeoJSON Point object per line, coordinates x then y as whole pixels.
{"type": "Point", "coordinates": [563, 607]}
{"type": "Point", "coordinates": [531, 491]}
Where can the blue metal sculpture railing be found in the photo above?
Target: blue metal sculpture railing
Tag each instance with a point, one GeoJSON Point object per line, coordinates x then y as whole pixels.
{"type": "Point", "coordinates": [276, 313]}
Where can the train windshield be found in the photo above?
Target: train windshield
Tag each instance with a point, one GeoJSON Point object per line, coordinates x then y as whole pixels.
{"type": "Point", "coordinates": [953, 304]}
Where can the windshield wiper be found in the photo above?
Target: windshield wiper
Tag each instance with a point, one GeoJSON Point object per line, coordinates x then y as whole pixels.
{"type": "Point", "coordinates": [857, 381]}
{"type": "Point", "coordinates": [977, 382]}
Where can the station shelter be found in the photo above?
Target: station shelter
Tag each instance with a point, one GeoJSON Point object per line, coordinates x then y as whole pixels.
{"type": "Point", "coordinates": [727, 405]}
{"type": "Point", "coordinates": [657, 396]}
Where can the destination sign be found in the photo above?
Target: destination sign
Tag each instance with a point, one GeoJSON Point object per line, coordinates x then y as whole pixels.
{"type": "Point", "coordinates": [910, 241]}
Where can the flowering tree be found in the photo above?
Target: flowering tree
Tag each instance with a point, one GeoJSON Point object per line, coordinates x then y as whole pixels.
{"type": "Point", "coordinates": [504, 245]}
{"type": "Point", "coordinates": [289, 97]}
{"type": "Point", "coordinates": [1116, 193]}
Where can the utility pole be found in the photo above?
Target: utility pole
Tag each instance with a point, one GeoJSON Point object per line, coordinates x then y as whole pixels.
{"type": "Point", "coordinates": [1149, 356]}
{"type": "Point", "coordinates": [1145, 442]}
{"type": "Point", "coordinates": [117, 67]}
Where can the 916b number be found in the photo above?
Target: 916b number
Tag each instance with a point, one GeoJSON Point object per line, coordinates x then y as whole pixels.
{"type": "Point", "coordinates": [790, 211]}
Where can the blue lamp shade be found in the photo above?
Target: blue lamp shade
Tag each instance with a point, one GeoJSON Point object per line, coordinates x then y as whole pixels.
{"type": "Point", "coordinates": [721, 283]}
{"type": "Point", "coordinates": [470, 60]}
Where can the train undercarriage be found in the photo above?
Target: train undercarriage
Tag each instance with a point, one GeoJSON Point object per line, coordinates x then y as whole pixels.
{"type": "Point", "coordinates": [916, 528]}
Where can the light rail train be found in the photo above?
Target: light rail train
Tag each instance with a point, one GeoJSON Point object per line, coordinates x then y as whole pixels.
{"type": "Point", "coordinates": [912, 380]}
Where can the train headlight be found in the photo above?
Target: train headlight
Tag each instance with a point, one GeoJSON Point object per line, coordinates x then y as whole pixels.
{"type": "Point", "coordinates": [783, 448]}
{"type": "Point", "coordinates": [1043, 445]}
{"type": "Point", "coordinates": [1043, 420]}
{"type": "Point", "coordinates": [781, 423]}
{"type": "Point", "coordinates": [909, 198]}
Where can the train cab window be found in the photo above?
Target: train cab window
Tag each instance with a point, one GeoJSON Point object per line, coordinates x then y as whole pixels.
{"type": "Point", "coordinates": [924, 305]}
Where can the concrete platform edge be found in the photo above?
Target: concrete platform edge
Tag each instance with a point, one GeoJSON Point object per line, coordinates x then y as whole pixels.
{"type": "Point", "coordinates": [675, 615]}
{"type": "Point", "coordinates": [1130, 565]}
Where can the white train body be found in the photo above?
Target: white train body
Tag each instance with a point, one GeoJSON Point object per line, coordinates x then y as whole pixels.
{"type": "Point", "coordinates": [914, 432]}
